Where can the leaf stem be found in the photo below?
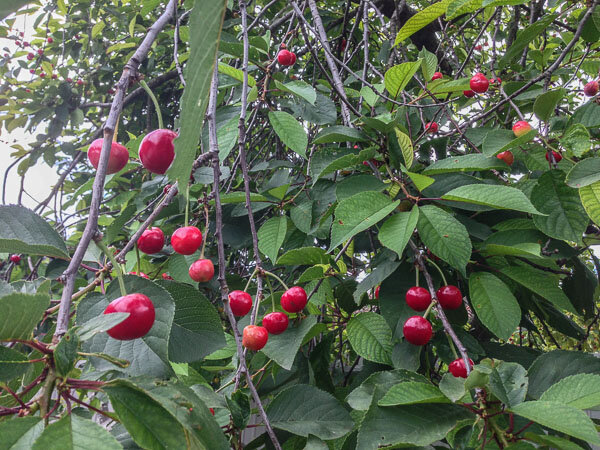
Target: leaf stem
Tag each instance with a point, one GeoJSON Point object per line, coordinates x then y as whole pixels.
{"type": "Point", "coordinates": [155, 101]}
{"type": "Point", "coordinates": [277, 278]}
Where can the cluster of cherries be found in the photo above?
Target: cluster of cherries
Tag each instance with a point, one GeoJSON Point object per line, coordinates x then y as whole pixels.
{"type": "Point", "coordinates": [285, 57]}
{"type": "Point", "coordinates": [254, 337]}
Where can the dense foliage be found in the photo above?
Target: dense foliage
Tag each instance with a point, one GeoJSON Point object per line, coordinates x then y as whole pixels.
{"type": "Point", "coordinates": [345, 147]}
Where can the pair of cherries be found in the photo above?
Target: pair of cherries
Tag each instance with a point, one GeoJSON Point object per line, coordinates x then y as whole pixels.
{"type": "Point", "coordinates": [184, 240]}
{"type": "Point", "coordinates": [255, 337]}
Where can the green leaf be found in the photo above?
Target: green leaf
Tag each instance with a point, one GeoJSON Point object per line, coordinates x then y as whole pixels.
{"type": "Point", "coordinates": [97, 29]}
{"type": "Point", "coordinates": [566, 218]}
{"type": "Point", "coordinates": [421, 19]}
{"type": "Point", "coordinates": [545, 104]}
{"type": "Point", "coordinates": [300, 88]}
{"type": "Point", "coordinates": [445, 236]}
{"type": "Point", "coordinates": [524, 38]}
{"type": "Point", "coordinates": [74, 432]}
{"type": "Point", "coordinates": [357, 213]}
{"type": "Point", "coordinates": [9, 6]}
{"type": "Point", "coordinates": [559, 417]}
{"type": "Point", "coordinates": [429, 63]}
{"type": "Point", "coordinates": [370, 337]}
{"type": "Point", "coordinates": [13, 364]}
{"type": "Point", "coordinates": [305, 256]}
{"type": "Point", "coordinates": [354, 184]}
{"type": "Point", "coordinates": [552, 441]}
{"type": "Point", "coordinates": [577, 139]}
{"type": "Point", "coordinates": [398, 229]}
{"type": "Point", "coordinates": [584, 173]}
{"type": "Point", "coordinates": [282, 348]}
{"type": "Point", "coordinates": [65, 353]}
{"type": "Point", "coordinates": [524, 243]}
{"type": "Point", "coordinates": [339, 133]}
{"type": "Point", "coordinates": [20, 433]}
{"type": "Point", "coordinates": [375, 278]}
{"type": "Point", "coordinates": [496, 196]}
{"type": "Point", "coordinates": [508, 382]}
{"type": "Point", "coordinates": [28, 309]}
{"type": "Point", "coordinates": [100, 324]}
{"type": "Point", "coordinates": [466, 163]}
{"type": "Point", "coordinates": [23, 231]}
{"type": "Point", "coordinates": [491, 3]}
{"type": "Point", "coordinates": [590, 199]}
{"type": "Point", "coordinates": [452, 387]}
{"type": "Point", "coordinates": [406, 146]}
{"type": "Point", "coordinates": [449, 86]}
{"type": "Point", "coordinates": [412, 392]}
{"type": "Point", "coordinates": [236, 74]}
{"type": "Point", "coordinates": [397, 77]}
{"type": "Point", "coordinates": [421, 182]}
{"type": "Point", "coordinates": [227, 136]}
{"type": "Point", "coordinates": [290, 131]}
{"type": "Point", "coordinates": [361, 397]}
{"type": "Point", "coordinates": [304, 410]}
{"type": "Point", "coordinates": [540, 283]}
{"type": "Point", "coordinates": [197, 330]}
{"type": "Point", "coordinates": [587, 115]}
{"type": "Point", "coordinates": [580, 391]}
{"type": "Point", "coordinates": [328, 160]}
{"type": "Point", "coordinates": [239, 406]}
{"type": "Point", "coordinates": [494, 303]}
{"type": "Point", "coordinates": [497, 141]}
{"type": "Point", "coordinates": [271, 236]}
{"type": "Point", "coordinates": [458, 7]}
{"type": "Point", "coordinates": [205, 29]}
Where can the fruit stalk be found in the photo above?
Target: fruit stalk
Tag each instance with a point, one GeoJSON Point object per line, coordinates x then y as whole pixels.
{"type": "Point", "coordinates": [155, 101]}
{"type": "Point", "coordinates": [114, 263]}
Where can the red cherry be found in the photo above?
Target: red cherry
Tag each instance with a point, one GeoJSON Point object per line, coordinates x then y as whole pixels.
{"type": "Point", "coordinates": [111, 91]}
{"type": "Point", "coordinates": [557, 156]}
{"type": "Point", "coordinates": [15, 259]}
{"type": "Point", "coordinates": [18, 43]}
{"type": "Point", "coordinates": [25, 44]}
{"type": "Point", "coordinates": [42, 75]}
{"type": "Point", "coordinates": [157, 150]}
{"type": "Point", "coordinates": [286, 58]}
{"type": "Point", "coordinates": [479, 83]}
{"type": "Point", "coordinates": [140, 320]}
{"type": "Point", "coordinates": [30, 56]}
{"type": "Point", "coordinates": [520, 128]}
{"type": "Point", "coordinates": [254, 337]}
{"type": "Point", "coordinates": [79, 82]}
{"type": "Point", "coordinates": [591, 88]}
{"type": "Point", "coordinates": [116, 161]}
{"type": "Point", "coordinates": [32, 71]}
{"type": "Point", "coordinates": [377, 292]}
{"type": "Point", "coordinates": [186, 240]}
{"type": "Point", "coordinates": [477, 47]}
{"type": "Point", "coordinates": [276, 322]}
{"type": "Point", "coordinates": [499, 80]}
{"type": "Point", "coordinates": [458, 368]}
{"type": "Point", "coordinates": [240, 303]}
{"type": "Point", "coordinates": [22, 34]}
{"type": "Point", "coordinates": [431, 127]}
{"type": "Point", "coordinates": [202, 270]}
{"type": "Point", "coordinates": [151, 241]}
{"type": "Point", "coordinates": [469, 94]}
{"type": "Point", "coordinates": [418, 298]}
{"type": "Point", "coordinates": [437, 76]}
{"type": "Point", "coordinates": [507, 157]}
{"type": "Point", "coordinates": [28, 90]}
{"type": "Point", "coordinates": [54, 76]}
{"type": "Point", "coordinates": [69, 80]}
{"type": "Point", "coordinates": [50, 40]}
{"type": "Point", "coordinates": [40, 52]}
{"type": "Point", "coordinates": [417, 330]}
{"type": "Point", "coordinates": [294, 299]}
{"type": "Point", "coordinates": [449, 297]}
{"type": "Point", "coordinates": [141, 274]}
{"type": "Point", "coordinates": [166, 276]}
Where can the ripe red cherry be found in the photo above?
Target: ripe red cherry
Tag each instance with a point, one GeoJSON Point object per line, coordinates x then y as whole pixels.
{"type": "Point", "coordinates": [186, 240]}
{"type": "Point", "coordinates": [431, 127]}
{"type": "Point", "coordinates": [477, 47]}
{"type": "Point", "coordinates": [479, 83]}
{"type": "Point", "coordinates": [202, 270]}
{"type": "Point", "coordinates": [32, 71]}
{"type": "Point", "coordinates": [294, 299]}
{"type": "Point", "coordinates": [458, 368]}
{"type": "Point", "coordinates": [42, 75]}
{"type": "Point", "coordinates": [240, 303]}
{"type": "Point", "coordinates": [469, 94]}
{"type": "Point", "coordinates": [116, 161]}
{"type": "Point", "coordinates": [254, 337]}
{"type": "Point", "coordinates": [54, 76]}
{"type": "Point", "coordinates": [15, 259]}
{"type": "Point", "coordinates": [79, 82]}
{"type": "Point", "coordinates": [141, 274]}
{"type": "Point", "coordinates": [521, 127]}
{"type": "Point", "coordinates": [157, 150]}
{"type": "Point", "coordinates": [140, 320]}
{"type": "Point", "coordinates": [377, 292]}
{"type": "Point", "coordinates": [286, 58]}
{"type": "Point", "coordinates": [30, 56]}
{"type": "Point", "coordinates": [449, 297]}
{"type": "Point", "coordinates": [507, 157]}
{"type": "Point", "coordinates": [417, 330]}
{"type": "Point", "coordinates": [557, 156]}
{"type": "Point", "coordinates": [437, 76]}
{"type": "Point", "coordinates": [166, 276]}
{"type": "Point", "coordinates": [276, 322]}
{"type": "Point", "coordinates": [591, 88]}
{"type": "Point", "coordinates": [418, 298]}
{"type": "Point", "coordinates": [151, 241]}
{"type": "Point", "coordinates": [50, 40]}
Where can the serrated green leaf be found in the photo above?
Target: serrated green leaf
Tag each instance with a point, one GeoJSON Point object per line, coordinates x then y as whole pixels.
{"type": "Point", "coordinates": [447, 86]}
{"type": "Point", "coordinates": [453, 387]}
{"type": "Point", "coordinates": [304, 256]}
{"type": "Point", "coordinates": [397, 77]}
{"type": "Point", "coordinates": [406, 146]}
{"type": "Point", "coordinates": [98, 27]}
{"type": "Point", "coordinates": [236, 74]}
{"type": "Point", "coordinates": [524, 38]}
{"type": "Point", "coordinates": [20, 314]}
{"type": "Point", "coordinates": [473, 162]}
{"type": "Point", "coordinates": [13, 364]}
{"type": "Point", "coordinates": [282, 348]}
{"type": "Point", "coordinates": [524, 243]}
{"type": "Point", "coordinates": [509, 383]}
{"type": "Point", "coordinates": [577, 139]}
{"type": "Point", "coordinates": [339, 133]}
{"type": "Point", "coordinates": [590, 199]}
{"type": "Point", "coordinates": [361, 397]}
{"type": "Point", "coordinates": [20, 433]}
{"type": "Point", "coordinates": [271, 236]}
{"type": "Point", "coordinates": [496, 196]}
{"type": "Point", "coordinates": [370, 337]}
{"type": "Point", "coordinates": [491, 3]}
{"type": "Point", "coordinates": [300, 88]}
{"type": "Point", "coordinates": [580, 391]}
{"type": "Point", "coordinates": [584, 173]}
{"type": "Point", "coordinates": [328, 160]}
{"type": "Point", "coordinates": [421, 19]}
{"type": "Point", "coordinates": [458, 7]}
{"type": "Point", "coordinates": [65, 353]}
{"type": "Point", "coordinates": [552, 441]}
{"type": "Point", "coordinates": [412, 392]}
{"type": "Point", "coordinates": [369, 95]}
{"type": "Point", "coordinates": [545, 104]}
{"type": "Point", "coordinates": [398, 229]}
{"type": "Point", "coordinates": [290, 131]}
{"type": "Point", "coordinates": [74, 432]}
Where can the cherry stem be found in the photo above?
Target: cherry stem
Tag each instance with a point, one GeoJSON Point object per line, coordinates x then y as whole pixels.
{"type": "Point", "coordinates": [137, 255]}
{"type": "Point", "coordinates": [429, 308]}
{"type": "Point", "coordinates": [277, 278]}
{"type": "Point", "coordinates": [153, 98]}
{"type": "Point", "coordinates": [271, 292]}
{"type": "Point", "coordinates": [115, 265]}
{"type": "Point", "coordinates": [187, 205]}
{"type": "Point", "coordinates": [417, 270]}
{"type": "Point", "coordinates": [205, 231]}
{"type": "Point", "coordinates": [452, 346]}
{"type": "Point", "coordinates": [439, 270]}
{"type": "Point", "coordinates": [250, 279]}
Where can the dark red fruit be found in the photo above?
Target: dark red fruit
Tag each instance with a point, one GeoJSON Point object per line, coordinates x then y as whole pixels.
{"type": "Point", "coordinates": [141, 274]}
{"type": "Point", "coordinates": [31, 71]}
{"type": "Point", "coordinates": [140, 320]}
{"type": "Point", "coordinates": [157, 150]}
{"type": "Point", "coordinates": [40, 52]}
{"type": "Point", "coordinates": [437, 76]}
{"type": "Point", "coordinates": [151, 241]}
{"type": "Point", "coordinates": [15, 259]}
{"type": "Point", "coordinates": [254, 337]}
{"type": "Point", "coordinates": [469, 94]}
{"type": "Point", "coordinates": [286, 58]}
{"type": "Point", "coordinates": [417, 330]}
{"type": "Point", "coordinates": [30, 56]}
{"type": "Point", "coordinates": [116, 161]}
{"type": "Point", "coordinates": [479, 83]}
{"type": "Point", "coordinates": [521, 127]}
{"type": "Point", "coordinates": [54, 76]}
{"type": "Point", "coordinates": [377, 292]}
{"type": "Point", "coordinates": [507, 157]}
{"type": "Point", "coordinates": [591, 88]}
{"type": "Point", "coordinates": [418, 298]}
{"type": "Point", "coordinates": [557, 156]}
{"type": "Point", "coordinates": [202, 270]}
{"type": "Point", "coordinates": [42, 75]}
{"type": "Point", "coordinates": [69, 80]}
{"type": "Point", "coordinates": [477, 47]}
{"type": "Point", "coordinates": [240, 303]}
{"type": "Point", "coordinates": [431, 127]}
{"type": "Point", "coordinates": [294, 299]}
{"type": "Point", "coordinates": [166, 276]}
{"type": "Point", "coordinates": [79, 82]}
{"type": "Point", "coordinates": [449, 297]}
{"type": "Point", "coordinates": [276, 322]}
{"type": "Point", "coordinates": [50, 40]}
{"type": "Point", "coordinates": [186, 240]}
{"type": "Point", "coordinates": [458, 368]}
